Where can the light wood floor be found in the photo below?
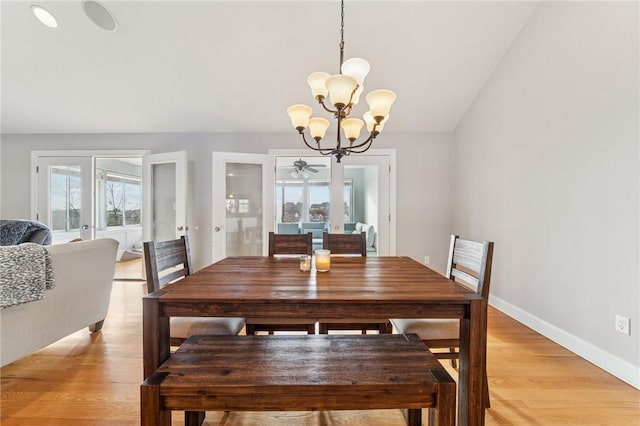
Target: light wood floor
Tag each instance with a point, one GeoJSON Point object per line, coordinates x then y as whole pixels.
{"type": "Point", "coordinates": [94, 380]}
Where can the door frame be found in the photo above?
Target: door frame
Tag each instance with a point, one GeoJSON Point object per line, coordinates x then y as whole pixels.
{"type": "Point", "coordinates": [391, 153]}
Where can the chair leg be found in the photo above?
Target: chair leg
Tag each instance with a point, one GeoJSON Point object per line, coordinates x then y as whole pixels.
{"type": "Point", "coordinates": [322, 328]}
{"type": "Point", "coordinates": [311, 329]}
{"type": "Point", "coordinates": [250, 329]}
{"type": "Point", "coordinates": [386, 328]}
{"type": "Point", "coordinates": [454, 362]}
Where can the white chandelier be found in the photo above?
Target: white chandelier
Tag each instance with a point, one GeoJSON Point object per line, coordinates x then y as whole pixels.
{"type": "Point", "coordinates": [344, 92]}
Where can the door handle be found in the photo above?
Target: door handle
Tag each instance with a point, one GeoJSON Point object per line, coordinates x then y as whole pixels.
{"type": "Point", "coordinates": [85, 226]}
{"type": "Point", "coordinates": [180, 228]}
{"type": "Point", "coordinates": [217, 229]}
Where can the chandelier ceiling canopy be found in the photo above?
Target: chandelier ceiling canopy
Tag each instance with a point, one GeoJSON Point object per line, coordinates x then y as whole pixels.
{"type": "Point", "coordinates": [343, 92]}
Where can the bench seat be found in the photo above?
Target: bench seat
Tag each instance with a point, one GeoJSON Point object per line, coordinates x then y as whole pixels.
{"type": "Point", "coordinates": [300, 373]}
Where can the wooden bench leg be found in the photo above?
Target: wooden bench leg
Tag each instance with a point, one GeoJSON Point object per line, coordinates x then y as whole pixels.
{"type": "Point", "coordinates": [152, 413]}
{"type": "Point", "coordinates": [413, 417]}
{"type": "Point", "coordinates": [193, 418]}
{"type": "Point", "coordinates": [444, 413]}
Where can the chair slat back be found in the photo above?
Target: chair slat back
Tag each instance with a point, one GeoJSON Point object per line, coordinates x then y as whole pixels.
{"type": "Point", "coordinates": [290, 244]}
{"type": "Point", "coordinates": [345, 243]}
{"type": "Point", "coordinates": [470, 262]}
{"type": "Point", "coordinates": [166, 261]}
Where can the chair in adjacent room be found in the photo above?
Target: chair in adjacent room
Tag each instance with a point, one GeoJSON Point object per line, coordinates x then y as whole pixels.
{"type": "Point", "coordinates": [167, 262]}
{"type": "Point", "coordinates": [288, 228]}
{"type": "Point", "coordinates": [285, 244]}
{"type": "Point", "coordinates": [350, 244]}
{"type": "Point", "coordinates": [470, 265]}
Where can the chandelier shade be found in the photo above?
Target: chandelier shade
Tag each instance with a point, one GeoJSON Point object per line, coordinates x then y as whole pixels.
{"type": "Point", "coordinates": [341, 88]}
{"type": "Point", "coordinates": [380, 102]}
{"type": "Point", "coordinates": [352, 127]}
{"type": "Point", "coordinates": [370, 122]}
{"type": "Point", "coordinates": [343, 92]}
{"type": "Point", "coordinates": [299, 115]}
{"type": "Point", "coordinates": [357, 68]}
{"type": "Point", "coordinates": [318, 83]}
{"type": "Point", "coordinates": [318, 127]}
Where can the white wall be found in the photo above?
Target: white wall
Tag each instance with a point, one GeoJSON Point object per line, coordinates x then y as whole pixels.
{"type": "Point", "coordinates": [546, 165]}
{"type": "Point", "coordinates": [424, 204]}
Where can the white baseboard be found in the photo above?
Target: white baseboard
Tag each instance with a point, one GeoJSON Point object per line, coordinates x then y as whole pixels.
{"type": "Point", "coordinates": [610, 363]}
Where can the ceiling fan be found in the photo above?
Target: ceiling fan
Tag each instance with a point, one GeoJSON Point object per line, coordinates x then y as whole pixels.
{"type": "Point", "coordinates": [302, 169]}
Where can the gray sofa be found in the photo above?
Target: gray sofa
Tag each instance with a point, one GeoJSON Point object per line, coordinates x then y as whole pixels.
{"type": "Point", "coordinates": [83, 273]}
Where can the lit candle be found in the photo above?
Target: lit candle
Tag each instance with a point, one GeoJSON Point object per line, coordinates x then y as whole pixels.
{"type": "Point", "coordinates": [323, 260]}
{"type": "Point", "coordinates": [305, 263]}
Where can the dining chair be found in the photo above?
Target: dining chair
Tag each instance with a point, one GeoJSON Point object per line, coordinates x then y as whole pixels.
{"type": "Point", "coordinates": [470, 265]}
{"type": "Point", "coordinates": [167, 262]}
{"type": "Point", "coordinates": [288, 245]}
{"type": "Point", "coordinates": [350, 244]}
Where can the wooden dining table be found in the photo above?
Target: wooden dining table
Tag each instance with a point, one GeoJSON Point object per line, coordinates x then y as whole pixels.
{"type": "Point", "coordinates": [355, 288]}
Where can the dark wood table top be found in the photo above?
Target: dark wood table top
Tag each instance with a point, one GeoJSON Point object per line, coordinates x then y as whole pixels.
{"type": "Point", "coordinates": [362, 280]}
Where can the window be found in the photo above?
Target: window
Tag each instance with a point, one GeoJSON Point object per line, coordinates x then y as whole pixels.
{"type": "Point", "coordinates": [308, 200]}
{"type": "Point", "coordinates": [243, 206]}
{"type": "Point", "coordinates": [122, 200]}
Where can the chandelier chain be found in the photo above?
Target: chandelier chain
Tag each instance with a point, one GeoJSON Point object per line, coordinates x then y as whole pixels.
{"type": "Point", "coordinates": [341, 35]}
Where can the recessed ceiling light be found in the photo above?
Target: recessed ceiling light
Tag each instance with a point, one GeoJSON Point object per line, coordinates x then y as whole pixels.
{"type": "Point", "coordinates": [99, 15]}
{"type": "Point", "coordinates": [44, 16]}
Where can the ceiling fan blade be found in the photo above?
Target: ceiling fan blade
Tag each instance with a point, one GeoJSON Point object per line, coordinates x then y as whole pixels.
{"type": "Point", "coordinates": [311, 169]}
{"type": "Point", "coordinates": [316, 165]}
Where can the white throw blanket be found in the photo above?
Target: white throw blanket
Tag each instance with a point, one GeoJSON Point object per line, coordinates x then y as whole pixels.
{"type": "Point", "coordinates": [26, 272]}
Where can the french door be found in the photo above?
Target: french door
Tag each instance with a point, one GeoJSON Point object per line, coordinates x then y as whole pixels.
{"type": "Point", "coordinates": [242, 204]}
{"type": "Point", "coordinates": [64, 196]}
{"type": "Point", "coordinates": [165, 196]}
{"type": "Point", "coordinates": [316, 194]}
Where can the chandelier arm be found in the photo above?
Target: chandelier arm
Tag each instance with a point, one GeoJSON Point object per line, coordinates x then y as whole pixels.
{"type": "Point", "coordinates": [363, 143]}
{"type": "Point", "coordinates": [368, 141]}
{"type": "Point", "coordinates": [370, 144]}
{"type": "Point", "coordinates": [321, 102]}
{"type": "Point", "coordinates": [323, 151]}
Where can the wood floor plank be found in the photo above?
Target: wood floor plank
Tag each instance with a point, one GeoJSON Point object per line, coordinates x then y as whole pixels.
{"type": "Point", "coordinates": [94, 380]}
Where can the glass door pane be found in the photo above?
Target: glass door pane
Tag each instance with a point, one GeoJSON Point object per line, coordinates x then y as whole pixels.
{"type": "Point", "coordinates": [64, 197]}
{"type": "Point", "coordinates": [303, 196]}
{"type": "Point", "coordinates": [118, 207]}
{"type": "Point", "coordinates": [163, 225]}
{"type": "Point", "coordinates": [165, 196]}
{"type": "Point", "coordinates": [240, 186]}
{"type": "Point", "coordinates": [366, 200]}
{"type": "Point", "coordinates": [244, 192]}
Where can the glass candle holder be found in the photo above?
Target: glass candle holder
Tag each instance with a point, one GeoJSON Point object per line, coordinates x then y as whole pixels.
{"type": "Point", "coordinates": [305, 263]}
{"type": "Point", "coordinates": [323, 260]}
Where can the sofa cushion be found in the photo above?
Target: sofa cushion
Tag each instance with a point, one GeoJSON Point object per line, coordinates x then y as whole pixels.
{"type": "Point", "coordinates": [358, 229]}
{"type": "Point", "coordinates": [371, 235]}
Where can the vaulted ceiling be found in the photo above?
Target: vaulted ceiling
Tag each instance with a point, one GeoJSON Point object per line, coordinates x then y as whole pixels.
{"type": "Point", "coordinates": [235, 66]}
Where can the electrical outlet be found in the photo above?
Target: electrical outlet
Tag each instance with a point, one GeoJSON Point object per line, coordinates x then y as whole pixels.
{"type": "Point", "coordinates": [426, 260]}
{"type": "Point", "coordinates": [622, 325]}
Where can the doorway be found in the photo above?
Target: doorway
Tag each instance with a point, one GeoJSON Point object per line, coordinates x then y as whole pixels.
{"type": "Point", "coordinates": [129, 196]}
{"type": "Point", "coordinates": [308, 187]}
